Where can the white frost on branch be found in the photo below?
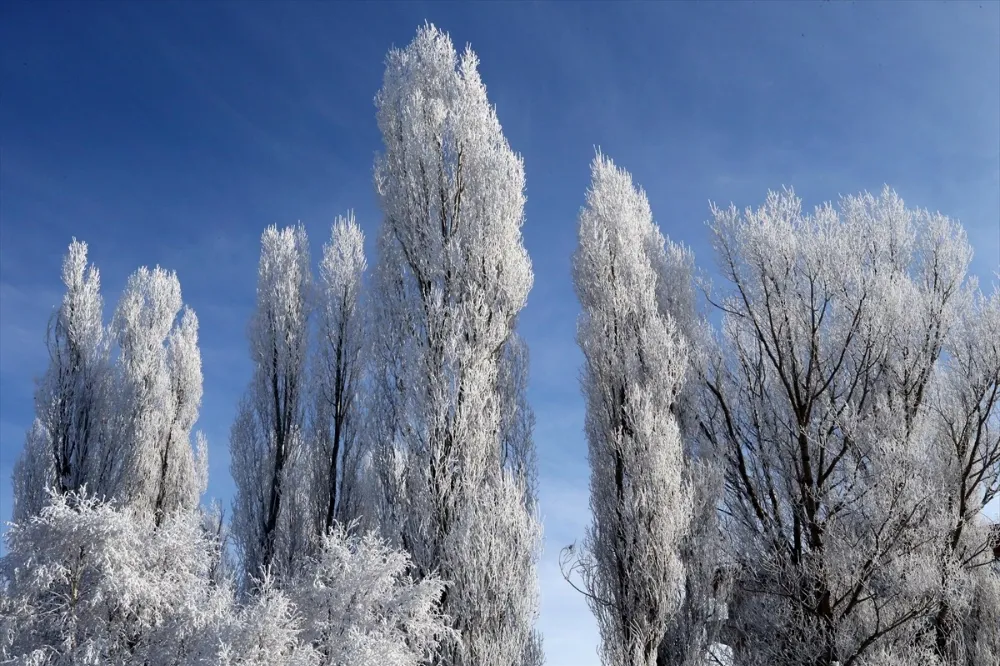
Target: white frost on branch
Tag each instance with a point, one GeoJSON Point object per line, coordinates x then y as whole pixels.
{"type": "Point", "coordinates": [65, 448]}
{"type": "Point", "coordinates": [159, 389]}
{"type": "Point", "coordinates": [452, 277]}
{"type": "Point", "coordinates": [641, 504]}
{"type": "Point", "coordinates": [840, 397]}
{"type": "Point", "coordinates": [336, 379]}
{"type": "Point", "coordinates": [267, 442]}
{"type": "Point", "coordinates": [88, 584]}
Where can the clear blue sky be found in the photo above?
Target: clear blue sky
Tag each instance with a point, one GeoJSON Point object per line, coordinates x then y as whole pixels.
{"type": "Point", "coordinates": [173, 133]}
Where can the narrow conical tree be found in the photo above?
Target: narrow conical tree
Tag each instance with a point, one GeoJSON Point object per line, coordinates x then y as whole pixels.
{"type": "Point", "coordinates": [635, 362]}
{"type": "Point", "coordinates": [270, 523]}
{"type": "Point", "coordinates": [452, 276]}
{"type": "Point", "coordinates": [337, 376]}
{"type": "Point", "coordinates": [64, 449]}
{"type": "Point", "coordinates": [159, 388]}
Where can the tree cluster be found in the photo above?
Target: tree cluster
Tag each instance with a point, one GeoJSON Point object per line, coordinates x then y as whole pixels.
{"type": "Point", "coordinates": [793, 468]}
{"type": "Point", "coordinates": [385, 508]}
{"type": "Point", "coordinates": [788, 467]}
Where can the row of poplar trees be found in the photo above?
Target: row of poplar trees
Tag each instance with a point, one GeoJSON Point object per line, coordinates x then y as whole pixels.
{"type": "Point", "coordinates": [789, 467]}
{"type": "Point", "coordinates": [389, 403]}
{"type": "Point", "coordinates": [409, 414]}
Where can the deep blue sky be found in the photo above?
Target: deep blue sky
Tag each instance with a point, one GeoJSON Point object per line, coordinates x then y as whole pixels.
{"type": "Point", "coordinates": [173, 133]}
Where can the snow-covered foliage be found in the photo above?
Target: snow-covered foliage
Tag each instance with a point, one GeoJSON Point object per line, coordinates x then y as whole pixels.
{"type": "Point", "coordinates": [271, 526]}
{"type": "Point", "coordinates": [86, 583]}
{"type": "Point", "coordinates": [118, 424]}
{"type": "Point", "coordinates": [353, 602]}
{"type": "Point", "coordinates": [360, 606]}
{"type": "Point", "coordinates": [635, 364]}
{"type": "Point", "coordinates": [264, 632]}
{"type": "Point", "coordinates": [800, 485]}
{"type": "Point", "coordinates": [158, 392]}
{"type": "Point", "coordinates": [65, 448]}
{"type": "Point", "coordinates": [337, 375]}
{"type": "Point", "coordinates": [452, 276]}
{"type": "Point", "coordinates": [841, 365]}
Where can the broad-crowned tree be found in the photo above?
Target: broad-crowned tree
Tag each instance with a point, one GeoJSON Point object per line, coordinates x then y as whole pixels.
{"type": "Point", "coordinates": [635, 362]}
{"type": "Point", "coordinates": [65, 447]}
{"type": "Point", "coordinates": [359, 605]}
{"type": "Point", "coordinates": [271, 527]}
{"type": "Point", "coordinates": [351, 602]}
{"type": "Point", "coordinates": [966, 463]}
{"type": "Point", "coordinates": [821, 402]}
{"type": "Point", "coordinates": [84, 582]}
{"type": "Point", "coordinates": [451, 278]}
{"type": "Point", "coordinates": [262, 632]}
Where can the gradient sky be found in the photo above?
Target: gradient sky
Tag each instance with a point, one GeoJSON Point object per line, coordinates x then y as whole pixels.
{"type": "Point", "coordinates": [173, 133]}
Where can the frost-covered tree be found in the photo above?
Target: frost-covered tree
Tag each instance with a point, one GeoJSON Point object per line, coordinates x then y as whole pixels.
{"type": "Point", "coordinates": [635, 361]}
{"type": "Point", "coordinates": [359, 606]}
{"type": "Point", "coordinates": [65, 447]}
{"type": "Point", "coordinates": [159, 389]}
{"type": "Point", "coordinates": [352, 602]}
{"type": "Point", "coordinates": [121, 430]}
{"type": "Point", "coordinates": [86, 583]}
{"type": "Point", "coordinates": [183, 465]}
{"type": "Point", "coordinates": [451, 278]}
{"type": "Point", "coordinates": [823, 402]}
{"type": "Point", "coordinates": [517, 425]}
{"type": "Point", "coordinates": [966, 416]}
{"type": "Point", "coordinates": [269, 465]}
{"type": "Point", "coordinates": [34, 472]}
{"type": "Point", "coordinates": [517, 420]}
{"type": "Point", "coordinates": [337, 376]}
{"type": "Point", "coordinates": [492, 552]}
{"type": "Point", "coordinates": [696, 633]}
{"type": "Point", "coordinates": [263, 632]}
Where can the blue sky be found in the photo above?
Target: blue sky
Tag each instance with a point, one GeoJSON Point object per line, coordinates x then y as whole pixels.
{"type": "Point", "coordinates": [173, 133]}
